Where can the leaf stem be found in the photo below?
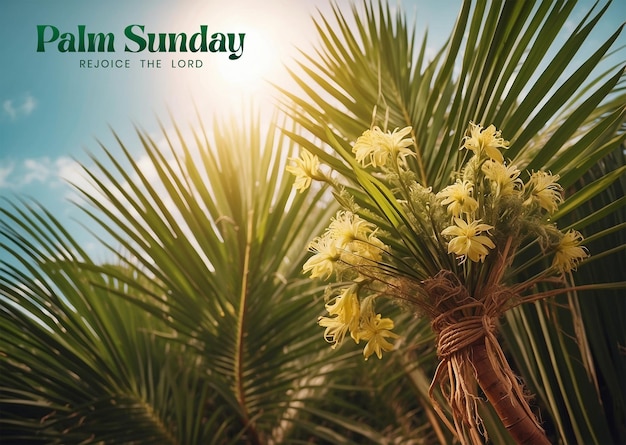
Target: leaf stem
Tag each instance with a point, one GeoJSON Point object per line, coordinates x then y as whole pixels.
{"type": "Point", "coordinates": [241, 318]}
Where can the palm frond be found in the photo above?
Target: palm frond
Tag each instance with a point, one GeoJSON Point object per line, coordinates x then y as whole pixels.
{"type": "Point", "coordinates": [503, 64]}
{"type": "Point", "coordinates": [77, 363]}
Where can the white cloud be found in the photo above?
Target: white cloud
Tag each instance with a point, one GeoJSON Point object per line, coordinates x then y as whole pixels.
{"type": "Point", "coordinates": [5, 173]}
{"type": "Point", "coordinates": [19, 108]}
{"type": "Point", "coordinates": [8, 108]}
{"type": "Point", "coordinates": [29, 105]}
{"type": "Point", "coordinates": [70, 171]}
{"type": "Point", "coordinates": [36, 170]}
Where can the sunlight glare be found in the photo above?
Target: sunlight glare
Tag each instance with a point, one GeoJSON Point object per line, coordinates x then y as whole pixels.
{"type": "Point", "coordinates": [223, 84]}
{"type": "Point", "coordinates": [254, 68]}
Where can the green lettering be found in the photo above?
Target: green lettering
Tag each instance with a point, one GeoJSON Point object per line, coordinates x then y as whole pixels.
{"type": "Point", "coordinates": [218, 44]}
{"type": "Point", "coordinates": [231, 46]}
{"type": "Point", "coordinates": [67, 44]}
{"type": "Point", "coordinates": [41, 37]}
{"type": "Point", "coordinates": [101, 39]}
{"type": "Point", "coordinates": [152, 40]}
{"type": "Point", "coordinates": [183, 42]}
{"type": "Point", "coordinates": [140, 41]}
{"type": "Point", "coordinates": [193, 46]}
{"type": "Point", "coordinates": [81, 38]}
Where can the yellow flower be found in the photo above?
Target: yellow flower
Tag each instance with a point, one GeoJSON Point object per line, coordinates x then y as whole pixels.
{"type": "Point", "coordinates": [336, 329]}
{"type": "Point", "coordinates": [569, 252]}
{"type": "Point", "coordinates": [375, 330]}
{"type": "Point", "coordinates": [374, 147]}
{"type": "Point", "coordinates": [345, 304]}
{"type": "Point", "coordinates": [356, 239]}
{"type": "Point", "coordinates": [467, 241]}
{"type": "Point", "coordinates": [349, 240]}
{"type": "Point", "coordinates": [504, 179]}
{"type": "Point", "coordinates": [346, 227]}
{"type": "Point", "coordinates": [322, 264]}
{"type": "Point", "coordinates": [488, 141]}
{"type": "Point", "coordinates": [345, 313]}
{"type": "Point", "coordinates": [458, 198]}
{"type": "Point", "coordinates": [544, 190]}
{"type": "Point", "coordinates": [359, 253]}
{"type": "Point", "coordinates": [306, 169]}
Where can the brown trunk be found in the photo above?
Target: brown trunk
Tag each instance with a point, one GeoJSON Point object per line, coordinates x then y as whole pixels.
{"type": "Point", "coordinates": [515, 418]}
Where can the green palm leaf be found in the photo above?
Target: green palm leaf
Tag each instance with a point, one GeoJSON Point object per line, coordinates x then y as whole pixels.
{"type": "Point", "coordinates": [71, 351]}
{"type": "Point", "coordinates": [510, 65]}
{"type": "Point", "coordinates": [202, 330]}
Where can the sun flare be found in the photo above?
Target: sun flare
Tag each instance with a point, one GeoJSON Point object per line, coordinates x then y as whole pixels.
{"type": "Point", "coordinates": [253, 69]}
{"type": "Point", "coordinates": [226, 83]}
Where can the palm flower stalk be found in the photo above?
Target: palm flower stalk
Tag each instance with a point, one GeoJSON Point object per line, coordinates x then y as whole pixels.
{"type": "Point", "coordinates": [464, 243]}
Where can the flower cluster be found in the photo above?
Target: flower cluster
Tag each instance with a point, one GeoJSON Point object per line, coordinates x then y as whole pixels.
{"type": "Point", "coordinates": [349, 248]}
{"type": "Point", "coordinates": [349, 242]}
{"type": "Point", "coordinates": [349, 314]}
{"type": "Point", "coordinates": [491, 189]}
{"type": "Point", "coordinates": [486, 208]}
{"type": "Point", "coordinates": [306, 169]}
{"type": "Point", "coordinates": [376, 148]}
{"type": "Point", "coordinates": [485, 142]}
{"type": "Point", "coordinates": [468, 241]}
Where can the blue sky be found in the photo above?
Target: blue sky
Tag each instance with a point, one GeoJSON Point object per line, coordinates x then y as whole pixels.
{"type": "Point", "coordinates": [53, 112]}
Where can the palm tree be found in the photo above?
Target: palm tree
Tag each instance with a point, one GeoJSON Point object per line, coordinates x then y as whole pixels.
{"type": "Point", "coordinates": [377, 76]}
{"type": "Point", "coordinates": [195, 333]}
{"type": "Point", "coordinates": [201, 329]}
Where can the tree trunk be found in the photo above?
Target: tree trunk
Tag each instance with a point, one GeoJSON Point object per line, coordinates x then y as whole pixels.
{"type": "Point", "coordinates": [515, 418]}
